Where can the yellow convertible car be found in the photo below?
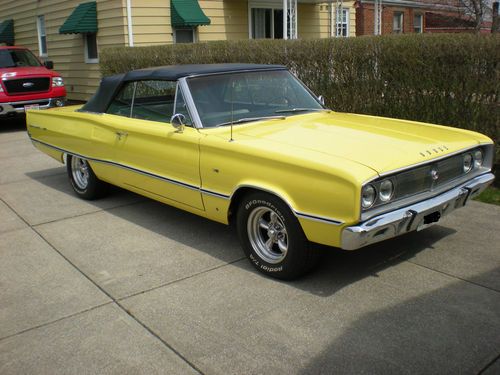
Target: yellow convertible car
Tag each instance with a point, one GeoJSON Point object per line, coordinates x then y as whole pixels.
{"type": "Point", "coordinates": [251, 145]}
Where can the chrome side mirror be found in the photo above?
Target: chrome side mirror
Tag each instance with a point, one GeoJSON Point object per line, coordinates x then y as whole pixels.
{"type": "Point", "coordinates": [321, 99]}
{"type": "Point", "coordinates": [178, 121]}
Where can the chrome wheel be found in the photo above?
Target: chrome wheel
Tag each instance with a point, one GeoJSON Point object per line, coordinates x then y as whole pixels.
{"type": "Point", "coordinates": [80, 172]}
{"type": "Point", "coordinates": [267, 235]}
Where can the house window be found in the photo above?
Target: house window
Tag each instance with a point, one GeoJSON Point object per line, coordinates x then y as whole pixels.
{"type": "Point", "coordinates": [418, 23]}
{"type": "Point", "coordinates": [184, 35]}
{"type": "Point", "coordinates": [342, 22]}
{"type": "Point", "coordinates": [42, 36]}
{"type": "Point", "coordinates": [91, 52]}
{"type": "Point", "coordinates": [397, 23]}
{"type": "Point", "coordinates": [266, 22]}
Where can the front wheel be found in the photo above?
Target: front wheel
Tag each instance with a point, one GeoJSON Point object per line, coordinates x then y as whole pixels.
{"type": "Point", "coordinates": [272, 237]}
{"type": "Point", "coordinates": [83, 180]}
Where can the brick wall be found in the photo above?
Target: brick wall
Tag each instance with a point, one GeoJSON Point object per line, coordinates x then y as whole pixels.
{"type": "Point", "coordinates": [365, 19]}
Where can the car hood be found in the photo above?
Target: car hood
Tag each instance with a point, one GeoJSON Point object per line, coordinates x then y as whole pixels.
{"type": "Point", "coordinates": [381, 144]}
{"type": "Point", "coordinates": [26, 71]}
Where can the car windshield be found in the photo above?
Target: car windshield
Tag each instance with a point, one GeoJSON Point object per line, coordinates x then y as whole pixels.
{"type": "Point", "coordinates": [11, 58]}
{"type": "Point", "coordinates": [223, 99]}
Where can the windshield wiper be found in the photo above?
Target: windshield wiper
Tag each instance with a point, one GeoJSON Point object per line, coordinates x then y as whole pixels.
{"type": "Point", "coordinates": [250, 119]}
{"type": "Point", "coordinates": [301, 110]}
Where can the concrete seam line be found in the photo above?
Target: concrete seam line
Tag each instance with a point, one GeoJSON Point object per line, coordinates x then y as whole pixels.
{"type": "Point", "coordinates": [181, 279]}
{"type": "Point", "coordinates": [85, 214]}
{"type": "Point", "coordinates": [489, 364]}
{"type": "Point", "coordinates": [455, 277]}
{"type": "Point", "coordinates": [151, 332]}
{"type": "Point", "coordinates": [55, 321]}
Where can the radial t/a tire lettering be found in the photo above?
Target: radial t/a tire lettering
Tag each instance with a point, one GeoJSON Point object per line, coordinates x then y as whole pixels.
{"type": "Point", "coordinates": [272, 238]}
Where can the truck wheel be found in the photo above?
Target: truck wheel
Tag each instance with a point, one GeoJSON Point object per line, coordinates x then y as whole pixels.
{"type": "Point", "coordinates": [272, 238]}
{"type": "Point", "coordinates": [83, 180]}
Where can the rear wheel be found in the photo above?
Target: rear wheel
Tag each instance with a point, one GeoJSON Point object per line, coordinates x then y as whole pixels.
{"type": "Point", "coordinates": [272, 237]}
{"type": "Point", "coordinates": [83, 180]}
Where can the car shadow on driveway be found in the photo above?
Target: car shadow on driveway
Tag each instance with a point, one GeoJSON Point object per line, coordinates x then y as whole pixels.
{"type": "Point", "coordinates": [337, 269]}
{"type": "Point", "coordinates": [451, 327]}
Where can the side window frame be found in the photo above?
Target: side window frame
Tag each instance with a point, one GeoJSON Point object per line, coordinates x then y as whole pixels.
{"type": "Point", "coordinates": [178, 91]}
{"type": "Point", "coordinates": [132, 106]}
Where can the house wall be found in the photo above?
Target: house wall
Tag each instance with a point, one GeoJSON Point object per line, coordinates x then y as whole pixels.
{"type": "Point", "coordinates": [66, 51]}
{"type": "Point", "coordinates": [151, 25]}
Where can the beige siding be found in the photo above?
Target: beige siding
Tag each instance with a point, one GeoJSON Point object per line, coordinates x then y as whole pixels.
{"type": "Point", "coordinates": [313, 21]}
{"type": "Point", "coordinates": [151, 25]}
{"type": "Point", "coordinates": [229, 20]}
{"type": "Point", "coordinates": [67, 51]}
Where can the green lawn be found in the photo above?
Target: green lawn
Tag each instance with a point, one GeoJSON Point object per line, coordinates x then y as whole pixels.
{"type": "Point", "coordinates": [490, 195]}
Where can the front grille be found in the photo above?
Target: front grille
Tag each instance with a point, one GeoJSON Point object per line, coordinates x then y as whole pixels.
{"type": "Point", "coordinates": [419, 179]}
{"type": "Point", "coordinates": [25, 85]}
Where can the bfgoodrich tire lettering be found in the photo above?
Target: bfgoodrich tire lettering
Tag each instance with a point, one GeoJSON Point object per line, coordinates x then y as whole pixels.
{"type": "Point", "coordinates": [83, 179]}
{"type": "Point", "coordinates": [272, 237]}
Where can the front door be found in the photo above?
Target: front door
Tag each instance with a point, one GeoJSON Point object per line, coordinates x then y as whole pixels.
{"type": "Point", "coordinates": [154, 157]}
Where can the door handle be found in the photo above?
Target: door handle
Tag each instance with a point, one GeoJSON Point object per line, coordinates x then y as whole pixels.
{"type": "Point", "coordinates": [119, 135]}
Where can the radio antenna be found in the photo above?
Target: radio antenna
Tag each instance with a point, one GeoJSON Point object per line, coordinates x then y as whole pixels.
{"type": "Point", "coordinates": [232, 111]}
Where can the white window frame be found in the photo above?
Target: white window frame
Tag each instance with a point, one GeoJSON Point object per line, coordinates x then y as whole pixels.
{"type": "Point", "coordinates": [402, 15]}
{"type": "Point", "coordinates": [86, 50]}
{"type": "Point", "coordinates": [342, 23]}
{"type": "Point", "coordinates": [421, 26]}
{"type": "Point", "coordinates": [42, 33]}
{"type": "Point", "coordinates": [192, 28]}
{"type": "Point", "coordinates": [271, 4]}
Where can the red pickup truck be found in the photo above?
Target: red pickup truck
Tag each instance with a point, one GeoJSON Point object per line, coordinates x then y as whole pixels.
{"type": "Point", "coordinates": [26, 82]}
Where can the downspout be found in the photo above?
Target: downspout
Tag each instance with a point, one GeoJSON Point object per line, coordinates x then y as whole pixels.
{"type": "Point", "coordinates": [129, 24]}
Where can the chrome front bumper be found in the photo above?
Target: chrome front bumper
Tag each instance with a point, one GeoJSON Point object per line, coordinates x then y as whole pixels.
{"type": "Point", "coordinates": [414, 217]}
{"type": "Point", "coordinates": [18, 107]}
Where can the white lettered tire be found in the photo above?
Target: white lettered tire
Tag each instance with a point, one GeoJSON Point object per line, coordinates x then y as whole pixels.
{"type": "Point", "coordinates": [272, 238]}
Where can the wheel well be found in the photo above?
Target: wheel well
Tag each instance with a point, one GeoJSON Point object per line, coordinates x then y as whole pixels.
{"type": "Point", "coordinates": [239, 194]}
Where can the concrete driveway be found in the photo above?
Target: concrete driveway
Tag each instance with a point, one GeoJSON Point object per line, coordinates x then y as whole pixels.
{"type": "Point", "coordinates": [126, 285]}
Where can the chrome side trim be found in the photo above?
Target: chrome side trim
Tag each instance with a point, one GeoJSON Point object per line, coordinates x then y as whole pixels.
{"type": "Point", "coordinates": [212, 193]}
{"type": "Point", "coordinates": [215, 194]}
{"type": "Point", "coordinates": [303, 215]}
{"type": "Point", "coordinates": [318, 218]}
{"type": "Point", "coordinates": [412, 217]}
{"type": "Point", "coordinates": [119, 165]}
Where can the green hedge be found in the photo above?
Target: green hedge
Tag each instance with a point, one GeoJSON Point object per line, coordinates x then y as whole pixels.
{"type": "Point", "coordinates": [444, 79]}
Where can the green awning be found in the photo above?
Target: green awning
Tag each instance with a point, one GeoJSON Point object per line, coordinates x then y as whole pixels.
{"type": "Point", "coordinates": [187, 13]}
{"type": "Point", "coordinates": [82, 20]}
{"type": "Point", "coordinates": [7, 32]}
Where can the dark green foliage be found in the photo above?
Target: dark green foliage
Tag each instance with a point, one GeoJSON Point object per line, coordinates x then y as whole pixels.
{"type": "Point", "coordinates": [443, 79]}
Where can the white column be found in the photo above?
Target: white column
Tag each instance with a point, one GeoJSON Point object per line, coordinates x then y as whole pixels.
{"type": "Point", "coordinates": [285, 19]}
{"type": "Point", "coordinates": [377, 13]}
{"type": "Point", "coordinates": [129, 24]}
{"type": "Point", "coordinates": [296, 19]}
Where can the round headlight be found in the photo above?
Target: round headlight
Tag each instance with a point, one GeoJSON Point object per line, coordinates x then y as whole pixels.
{"type": "Point", "coordinates": [368, 196]}
{"type": "Point", "coordinates": [478, 158]}
{"type": "Point", "coordinates": [386, 190]}
{"type": "Point", "coordinates": [468, 162]}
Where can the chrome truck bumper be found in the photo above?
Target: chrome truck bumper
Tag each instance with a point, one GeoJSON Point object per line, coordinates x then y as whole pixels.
{"type": "Point", "coordinates": [415, 217]}
{"type": "Point", "coordinates": [19, 107]}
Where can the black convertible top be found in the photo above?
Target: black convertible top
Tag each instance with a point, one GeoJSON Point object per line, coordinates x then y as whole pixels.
{"type": "Point", "coordinates": [110, 85]}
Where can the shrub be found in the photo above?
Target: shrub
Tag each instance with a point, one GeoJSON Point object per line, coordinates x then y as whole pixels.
{"type": "Point", "coordinates": [444, 79]}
